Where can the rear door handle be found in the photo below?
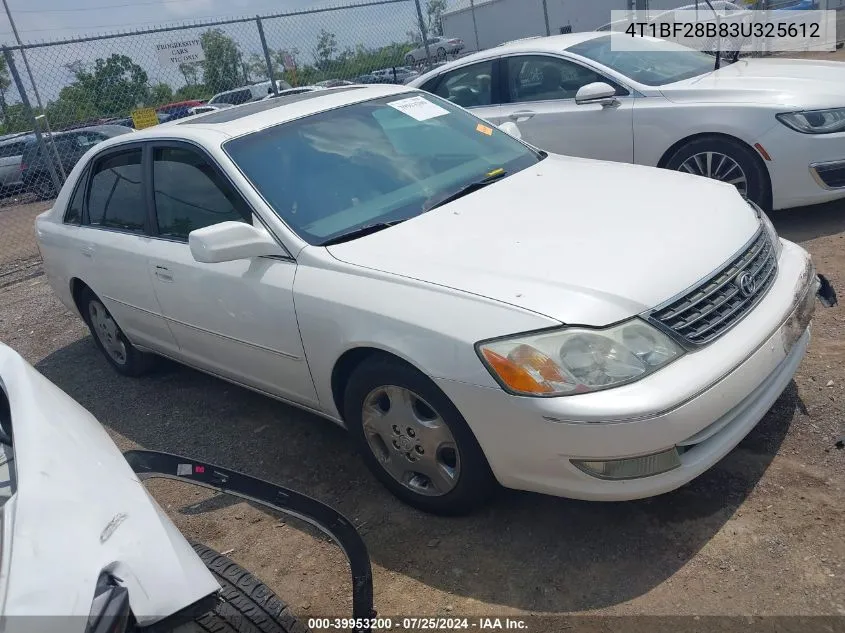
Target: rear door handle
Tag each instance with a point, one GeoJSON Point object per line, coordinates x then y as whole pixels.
{"type": "Point", "coordinates": [88, 251]}
{"type": "Point", "coordinates": [521, 115]}
{"type": "Point", "coordinates": [163, 273]}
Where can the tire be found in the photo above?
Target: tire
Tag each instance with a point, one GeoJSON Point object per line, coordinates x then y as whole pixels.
{"type": "Point", "coordinates": [245, 604]}
{"type": "Point", "coordinates": [441, 54]}
{"type": "Point", "coordinates": [410, 60]}
{"type": "Point", "coordinates": [134, 362]}
{"type": "Point", "coordinates": [44, 189]}
{"type": "Point", "coordinates": [757, 187]}
{"type": "Point", "coordinates": [469, 483]}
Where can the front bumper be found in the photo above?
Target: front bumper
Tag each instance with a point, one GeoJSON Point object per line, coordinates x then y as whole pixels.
{"type": "Point", "coordinates": [706, 402]}
{"type": "Point", "coordinates": [798, 166]}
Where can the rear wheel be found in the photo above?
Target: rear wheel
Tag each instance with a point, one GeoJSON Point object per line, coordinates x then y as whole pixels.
{"type": "Point", "coordinates": [410, 60]}
{"type": "Point", "coordinates": [245, 604]}
{"type": "Point", "coordinates": [726, 160]}
{"type": "Point", "coordinates": [111, 341]}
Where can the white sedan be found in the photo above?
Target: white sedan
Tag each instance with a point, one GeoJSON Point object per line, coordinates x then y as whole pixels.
{"type": "Point", "coordinates": [774, 128]}
{"type": "Point", "coordinates": [473, 310]}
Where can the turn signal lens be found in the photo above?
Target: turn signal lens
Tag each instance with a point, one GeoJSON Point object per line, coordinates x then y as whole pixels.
{"type": "Point", "coordinates": [526, 370]}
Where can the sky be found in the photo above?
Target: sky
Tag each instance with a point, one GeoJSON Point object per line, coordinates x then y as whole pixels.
{"type": "Point", "coordinates": [50, 20]}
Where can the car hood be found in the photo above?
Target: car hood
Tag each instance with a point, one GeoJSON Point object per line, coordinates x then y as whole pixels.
{"type": "Point", "coordinates": [798, 83]}
{"type": "Point", "coordinates": [79, 510]}
{"type": "Point", "coordinates": [580, 241]}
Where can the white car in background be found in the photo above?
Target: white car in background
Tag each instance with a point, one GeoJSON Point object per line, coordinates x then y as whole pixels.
{"type": "Point", "coordinates": [774, 128]}
{"type": "Point", "coordinates": [472, 309]}
{"type": "Point", "coordinates": [439, 48]}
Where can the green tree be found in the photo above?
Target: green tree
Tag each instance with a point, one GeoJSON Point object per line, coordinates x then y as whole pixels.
{"type": "Point", "coordinates": [326, 49]}
{"type": "Point", "coordinates": [115, 85]}
{"type": "Point", "coordinates": [5, 83]}
{"type": "Point", "coordinates": [190, 71]}
{"type": "Point", "coordinates": [192, 92]}
{"type": "Point", "coordinates": [160, 94]}
{"type": "Point", "coordinates": [434, 13]}
{"type": "Point", "coordinates": [222, 66]}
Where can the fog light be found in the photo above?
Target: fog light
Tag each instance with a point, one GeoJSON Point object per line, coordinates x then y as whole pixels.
{"type": "Point", "coordinates": [632, 468]}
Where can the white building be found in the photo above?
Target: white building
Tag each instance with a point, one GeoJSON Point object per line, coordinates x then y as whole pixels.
{"type": "Point", "coordinates": [504, 20]}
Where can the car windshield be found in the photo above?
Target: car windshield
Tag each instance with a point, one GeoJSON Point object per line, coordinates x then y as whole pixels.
{"type": "Point", "coordinates": [373, 163]}
{"type": "Point", "coordinates": [646, 60]}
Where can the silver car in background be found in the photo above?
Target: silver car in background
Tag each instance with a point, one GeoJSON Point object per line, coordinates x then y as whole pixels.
{"type": "Point", "coordinates": [438, 47]}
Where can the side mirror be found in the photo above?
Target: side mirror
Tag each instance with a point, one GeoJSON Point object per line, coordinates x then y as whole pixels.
{"type": "Point", "coordinates": [597, 92]}
{"type": "Point", "coordinates": [509, 127]}
{"type": "Point", "coordinates": [230, 241]}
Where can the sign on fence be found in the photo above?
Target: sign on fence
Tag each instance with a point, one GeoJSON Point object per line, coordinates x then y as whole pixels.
{"type": "Point", "coordinates": [144, 117]}
{"type": "Point", "coordinates": [175, 52]}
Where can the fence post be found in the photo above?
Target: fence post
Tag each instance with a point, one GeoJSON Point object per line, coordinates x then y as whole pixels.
{"type": "Point", "coordinates": [13, 70]}
{"type": "Point", "coordinates": [546, 17]}
{"type": "Point", "coordinates": [267, 59]}
{"type": "Point", "coordinates": [424, 35]}
{"type": "Point", "coordinates": [474, 24]}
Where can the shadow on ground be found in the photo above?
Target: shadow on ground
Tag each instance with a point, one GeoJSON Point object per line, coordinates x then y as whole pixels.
{"type": "Point", "coordinates": [545, 554]}
{"type": "Point", "coordinates": [808, 223]}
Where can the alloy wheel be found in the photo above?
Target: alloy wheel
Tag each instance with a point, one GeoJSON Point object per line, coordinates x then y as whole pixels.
{"type": "Point", "coordinates": [719, 167]}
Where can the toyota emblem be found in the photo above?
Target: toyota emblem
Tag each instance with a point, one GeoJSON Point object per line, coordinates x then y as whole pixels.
{"type": "Point", "coordinates": [746, 283]}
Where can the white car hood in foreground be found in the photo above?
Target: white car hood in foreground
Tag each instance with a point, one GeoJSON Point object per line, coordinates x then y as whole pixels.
{"type": "Point", "coordinates": [580, 241]}
{"type": "Point", "coordinates": [79, 509]}
{"type": "Point", "coordinates": [786, 82]}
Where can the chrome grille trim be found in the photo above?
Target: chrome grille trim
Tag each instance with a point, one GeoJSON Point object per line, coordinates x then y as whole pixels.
{"type": "Point", "coordinates": [689, 316]}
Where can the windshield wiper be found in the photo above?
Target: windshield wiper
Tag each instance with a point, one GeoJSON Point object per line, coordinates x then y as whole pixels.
{"type": "Point", "coordinates": [489, 178]}
{"type": "Point", "coordinates": [361, 231]}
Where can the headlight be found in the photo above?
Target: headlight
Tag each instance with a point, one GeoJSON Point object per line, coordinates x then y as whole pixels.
{"type": "Point", "coordinates": [770, 229]}
{"type": "Point", "coordinates": [577, 360]}
{"type": "Point", "coordinates": [815, 121]}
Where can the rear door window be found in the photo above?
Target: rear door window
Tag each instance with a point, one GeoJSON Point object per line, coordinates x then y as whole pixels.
{"type": "Point", "coordinates": [116, 197]}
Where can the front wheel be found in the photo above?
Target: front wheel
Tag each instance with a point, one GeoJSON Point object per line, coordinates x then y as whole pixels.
{"type": "Point", "coordinates": [410, 60]}
{"type": "Point", "coordinates": [414, 439]}
{"type": "Point", "coordinates": [245, 604]}
{"type": "Point", "coordinates": [728, 161]}
{"type": "Point", "coordinates": [441, 54]}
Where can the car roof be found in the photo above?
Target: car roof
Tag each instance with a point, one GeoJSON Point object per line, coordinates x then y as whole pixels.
{"type": "Point", "coordinates": [220, 125]}
{"type": "Point", "coordinates": [549, 44]}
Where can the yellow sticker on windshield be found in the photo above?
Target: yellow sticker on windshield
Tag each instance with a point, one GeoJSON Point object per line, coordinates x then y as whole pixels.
{"type": "Point", "coordinates": [484, 129]}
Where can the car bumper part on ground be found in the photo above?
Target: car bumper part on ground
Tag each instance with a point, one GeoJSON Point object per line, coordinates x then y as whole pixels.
{"type": "Point", "coordinates": [702, 405]}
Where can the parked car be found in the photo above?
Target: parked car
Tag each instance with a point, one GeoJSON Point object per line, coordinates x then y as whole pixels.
{"type": "Point", "coordinates": [11, 152]}
{"type": "Point", "coordinates": [245, 94]}
{"type": "Point", "coordinates": [179, 109]}
{"type": "Point", "coordinates": [129, 570]}
{"type": "Point", "coordinates": [438, 47]}
{"type": "Point", "coordinates": [771, 127]}
{"type": "Point", "coordinates": [69, 146]}
{"type": "Point", "coordinates": [435, 299]}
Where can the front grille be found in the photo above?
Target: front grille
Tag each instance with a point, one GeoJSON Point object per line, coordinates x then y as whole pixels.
{"type": "Point", "coordinates": [717, 304]}
{"type": "Point", "coordinates": [832, 175]}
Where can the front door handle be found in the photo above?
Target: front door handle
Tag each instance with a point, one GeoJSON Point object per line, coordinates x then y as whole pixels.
{"type": "Point", "coordinates": [521, 115]}
{"type": "Point", "coordinates": [88, 251]}
{"type": "Point", "coordinates": [163, 273]}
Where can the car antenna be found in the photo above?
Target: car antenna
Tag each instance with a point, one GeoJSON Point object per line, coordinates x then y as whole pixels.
{"type": "Point", "coordinates": [719, 40]}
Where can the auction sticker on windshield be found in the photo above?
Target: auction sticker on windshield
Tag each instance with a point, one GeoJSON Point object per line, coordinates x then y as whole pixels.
{"type": "Point", "coordinates": [419, 108]}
